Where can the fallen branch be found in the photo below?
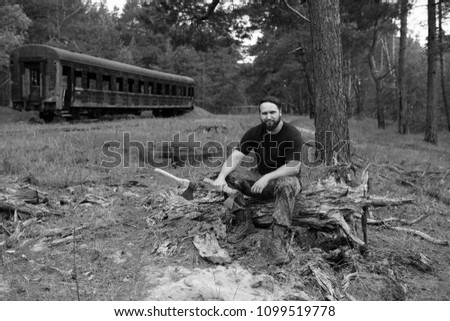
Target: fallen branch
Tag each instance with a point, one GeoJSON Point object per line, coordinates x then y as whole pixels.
{"type": "Point", "coordinates": [390, 220]}
{"type": "Point", "coordinates": [10, 206]}
{"type": "Point", "coordinates": [75, 274]}
{"type": "Point", "coordinates": [7, 232]}
{"type": "Point", "coordinates": [65, 240]}
{"type": "Point", "coordinates": [61, 231]}
{"type": "Point", "coordinates": [326, 283]}
{"type": "Point", "coordinates": [14, 237]}
{"type": "Point", "coordinates": [419, 233]}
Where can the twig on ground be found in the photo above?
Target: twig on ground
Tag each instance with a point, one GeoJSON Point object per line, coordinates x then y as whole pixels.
{"type": "Point", "coordinates": [405, 182]}
{"type": "Point", "coordinates": [8, 233]}
{"type": "Point", "coordinates": [443, 177]}
{"type": "Point", "coordinates": [419, 233]}
{"type": "Point", "coordinates": [75, 265]}
{"type": "Point", "coordinates": [390, 219]}
{"type": "Point", "coordinates": [347, 279]}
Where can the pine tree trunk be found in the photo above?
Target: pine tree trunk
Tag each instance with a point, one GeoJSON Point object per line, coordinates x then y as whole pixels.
{"type": "Point", "coordinates": [442, 63]}
{"type": "Point", "coordinates": [431, 126]}
{"type": "Point", "coordinates": [381, 114]}
{"type": "Point", "coordinates": [331, 115]}
{"type": "Point", "coordinates": [377, 75]}
{"type": "Point", "coordinates": [402, 90]}
{"type": "Point", "coordinates": [358, 97]}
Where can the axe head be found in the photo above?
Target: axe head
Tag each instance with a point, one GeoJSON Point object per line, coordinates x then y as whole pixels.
{"type": "Point", "coordinates": [235, 201]}
{"type": "Point", "coordinates": [186, 190]}
{"type": "Point", "coordinates": [229, 202]}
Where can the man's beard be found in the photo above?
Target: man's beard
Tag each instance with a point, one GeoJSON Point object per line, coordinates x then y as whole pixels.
{"type": "Point", "coordinates": [271, 124]}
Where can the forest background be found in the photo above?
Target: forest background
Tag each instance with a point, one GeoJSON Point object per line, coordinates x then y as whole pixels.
{"type": "Point", "coordinates": [169, 36]}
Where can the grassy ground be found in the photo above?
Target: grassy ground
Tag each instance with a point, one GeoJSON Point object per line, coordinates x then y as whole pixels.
{"type": "Point", "coordinates": [113, 236]}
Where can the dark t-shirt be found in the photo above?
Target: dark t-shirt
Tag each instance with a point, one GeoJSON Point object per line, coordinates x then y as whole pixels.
{"type": "Point", "coordinates": [272, 150]}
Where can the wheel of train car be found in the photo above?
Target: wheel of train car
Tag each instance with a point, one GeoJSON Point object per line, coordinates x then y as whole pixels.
{"type": "Point", "coordinates": [47, 117]}
{"type": "Point", "coordinates": [157, 112]}
{"type": "Point", "coordinates": [95, 113]}
{"type": "Point", "coordinates": [75, 114]}
{"type": "Point", "coordinates": [168, 113]}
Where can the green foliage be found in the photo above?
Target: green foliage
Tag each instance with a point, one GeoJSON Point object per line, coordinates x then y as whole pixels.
{"type": "Point", "coordinates": [416, 73]}
{"type": "Point", "coordinates": [179, 21]}
{"type": "Point", "coordinates": [13, 25]}
{"type": "Point", "coordinates": [217, 75]}
{"type": "Point", "coordinates": [171, 36]}
{"type": "Point", "coordinates": [282, 55]}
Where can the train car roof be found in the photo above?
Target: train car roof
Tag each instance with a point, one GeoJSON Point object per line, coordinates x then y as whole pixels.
{"type": "Point", "coordinates": [61, 54]}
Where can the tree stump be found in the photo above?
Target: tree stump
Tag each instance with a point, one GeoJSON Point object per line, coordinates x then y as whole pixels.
{"type": "Point", "coordinates": [330, 206]}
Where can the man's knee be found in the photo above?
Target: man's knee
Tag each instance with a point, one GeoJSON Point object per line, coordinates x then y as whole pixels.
{"type": "Point", "coordinates": [288, 184]}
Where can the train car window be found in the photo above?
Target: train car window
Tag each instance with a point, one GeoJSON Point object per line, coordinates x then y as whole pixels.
{"type": "Point", "coordinates": [174, 90]}
{"type": "Point", "coordinates": [78, 74]}
{"type": "Point", "coordinates": [158, 89]}
{"type": "Point", "coordinates": [65, 77]}
{"type": "Point", "coordinates": [141, 87]}
{"type": "Point", "coordinates": [151, 88]}
{"type": "Point", "coordinates": [35, 77]}
{"type": "Point", "coordinates": [119, 84]}
{"type": "Point", "coordinates": [92, 80]}
{"type": "Point", "coordinates": [183, 91]}
{"type": "Point", "coordinates": [130, 85]}
{"type": "Point", "coordinates": [167, 89]}
{"type": "Point", "coordinates": [106, 82]}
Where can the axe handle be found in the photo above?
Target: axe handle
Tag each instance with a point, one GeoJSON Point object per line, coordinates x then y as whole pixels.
{"type": "Point", "coordinates": [225, 188]}
{"type": "Point", "coordinates": [167, 174]}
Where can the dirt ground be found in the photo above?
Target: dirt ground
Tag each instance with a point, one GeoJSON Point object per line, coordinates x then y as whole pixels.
{"type": "Point", "coordinates": [132, 238]}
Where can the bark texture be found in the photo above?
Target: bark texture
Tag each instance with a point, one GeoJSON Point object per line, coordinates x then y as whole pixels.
{"type": "Point", "coordinates": [331, 116]}
{"type": "Point", "coordinates": [431, 123]}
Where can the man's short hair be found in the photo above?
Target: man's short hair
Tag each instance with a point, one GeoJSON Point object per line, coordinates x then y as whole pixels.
{"type": "Point", "coordinates": [270, 99]}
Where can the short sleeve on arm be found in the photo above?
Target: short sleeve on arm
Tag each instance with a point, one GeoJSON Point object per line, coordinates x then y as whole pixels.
{"type": "Point", "coordinates": [247, 143]}
{"type": "Point", "coordinates": [294, 153]}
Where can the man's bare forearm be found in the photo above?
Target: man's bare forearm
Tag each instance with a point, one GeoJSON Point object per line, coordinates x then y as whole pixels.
{"type": "Point", "coordinates": [231, 164]}
{"type": "Point", "coordinates": [290, 169]}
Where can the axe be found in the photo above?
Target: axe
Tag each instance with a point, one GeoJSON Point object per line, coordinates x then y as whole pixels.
{"type": "Point", "coordinates": [232, 193]}
{"type": "Point", "coordinates": [185, 186]}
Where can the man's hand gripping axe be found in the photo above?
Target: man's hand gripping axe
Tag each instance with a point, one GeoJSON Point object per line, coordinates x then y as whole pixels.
{"type": "Point", "coordinates": [232, 193]}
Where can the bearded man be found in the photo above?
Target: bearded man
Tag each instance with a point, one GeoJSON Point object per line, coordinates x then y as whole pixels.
{"type": "Point", "coordinates": [278, 148]}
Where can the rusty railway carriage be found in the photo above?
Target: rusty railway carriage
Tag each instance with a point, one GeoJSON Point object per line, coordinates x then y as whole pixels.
{"type": "Point", "coordinates": [58, 82]}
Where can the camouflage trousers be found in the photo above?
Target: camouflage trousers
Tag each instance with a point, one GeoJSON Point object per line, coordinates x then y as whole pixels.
{"type": "Point", "coordinates": [284, 190]}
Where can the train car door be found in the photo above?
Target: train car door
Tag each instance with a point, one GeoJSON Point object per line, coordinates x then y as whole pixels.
{"type": "Point", "coordinates": [32, 81]}
{"type": "Point", "coordinates": [67, 86]}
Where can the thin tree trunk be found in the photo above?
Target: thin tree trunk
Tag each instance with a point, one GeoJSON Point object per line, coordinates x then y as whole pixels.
{"type": "Point", "coordinates": [381, 113]}
{"type": "Point", "coordinates": [442, 64]}
{"type": "Point", "coordinates": [402, 90]}
{"type": "Point", "coordinates": [359, 102]}
{"type": "Point", "coordinates": [331, 117]}
{"type": "Point", "coordinates": [431, 125]}
{"type": "Point", "coordinates": [377, 76]}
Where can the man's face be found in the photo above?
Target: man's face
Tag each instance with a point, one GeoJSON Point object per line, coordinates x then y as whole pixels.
{"type": "Point", "coordinates": [270, 115]}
